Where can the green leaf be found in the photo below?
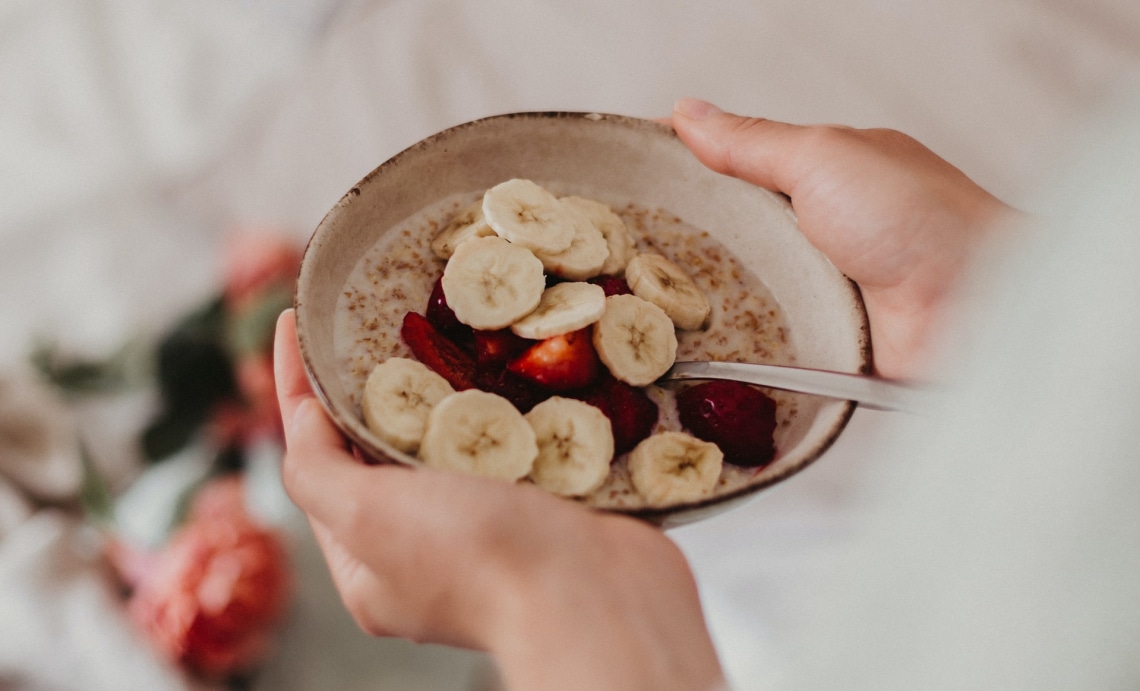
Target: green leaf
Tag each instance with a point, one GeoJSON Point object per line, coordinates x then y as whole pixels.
{"type": "Point", "coordinates": [207, 321]}
{"type": "Point", "coordinates": [251, 330]}
{"type": "Point", "coordinates": [194, 373]}
{"type": "Point", "coordinates": [170, 433]}
{"type": "Point", "coordinates": [94, 494]}
{"type": "Point", "coordinates": [127, 367]}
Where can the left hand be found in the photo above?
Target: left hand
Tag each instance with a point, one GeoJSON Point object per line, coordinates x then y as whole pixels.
{"type": "Point", "coordinates": [888, 212]}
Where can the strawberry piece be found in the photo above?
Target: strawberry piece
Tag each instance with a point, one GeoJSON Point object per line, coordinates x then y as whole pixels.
{"type": "Point", "coordinates": [612, 285]}
{"type": "Point", "coordinates": [631, 412]}
{"type": "Point", "coordinates": [560, 363]}
{"type": "Point", "coordinates": [441, 355]}
{"type": "Point", "coordinates": [523, 393]}
{"type": "Point", "coordinates": [494, 349]}
{"type": "Point", "coordinates": [443, 318]}
{"type": "Point", "coordinates": [738, 418]}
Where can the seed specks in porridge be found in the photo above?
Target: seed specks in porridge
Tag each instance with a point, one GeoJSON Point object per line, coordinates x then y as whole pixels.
{"type": "Point", "coordinates": [397, 274]}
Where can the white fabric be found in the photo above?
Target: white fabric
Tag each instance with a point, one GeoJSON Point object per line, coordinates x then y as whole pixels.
{"type": "Point", "coordinates": [996, 545]}
{"type": "Point", "coordinates": [57, 614]}
{"type": "Point", "coordinates": [134, 133]}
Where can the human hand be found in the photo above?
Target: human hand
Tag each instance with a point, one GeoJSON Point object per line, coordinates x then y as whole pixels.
{"type": "Point", "coordinates": [561, 596]}
{"type": "Point", "coordinates": [889, 213]}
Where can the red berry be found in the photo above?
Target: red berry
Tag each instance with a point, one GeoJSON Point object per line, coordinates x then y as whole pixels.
{"type": "Point", "coordinates": [738, 418]}
{"type": "Point", "coordinates": [560, 363]}
{"type": "Point", "coordinates": [440, 315]}
{"type": "Point", "coordinates": [494, 349]}
{"type": "Point", "coordinates": [631, 412]}
{"type": "Point", "coordinates": [523, 393]}
{"type": "Point", "coordinates": [441, 355]}
{"type": "Point", "coordinates": [612, 285]}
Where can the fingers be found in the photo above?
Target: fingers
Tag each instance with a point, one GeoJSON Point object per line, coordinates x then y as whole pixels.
{"type": "Point", "coordinates": [360, 589]}
{"type": "Point", "coordinates": [311, 439]}
{"type": "Point", "coordinates": [325, 479]}
{"type": "Point", "coordinates": [350, 499]}
{"type": "Point", "coordinates": [288, 370]}
{"type": "Point", "coordinates": [348, 502]}
{"type": "Point", "coordinates": [317, 463]}
{"type": "Point", "coordinates": [753, 149]}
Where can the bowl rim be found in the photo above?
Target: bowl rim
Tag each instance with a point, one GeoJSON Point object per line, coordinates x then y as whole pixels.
{"type": "Point", "coordinates": [676, 514]}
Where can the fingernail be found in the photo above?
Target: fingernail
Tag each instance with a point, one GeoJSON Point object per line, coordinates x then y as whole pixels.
{"type": "Point", "coordinates": [695, 108]}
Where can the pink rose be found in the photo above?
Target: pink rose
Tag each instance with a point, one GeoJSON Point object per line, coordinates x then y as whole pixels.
{"type": "Point", "coordinates": [257, 413]}
{"type": "Point", "coordinates": [260, 273]}
{"type": "Point", "coordinates": [256, 261]}
{"type": "Point", "coordinates": [209, 600]}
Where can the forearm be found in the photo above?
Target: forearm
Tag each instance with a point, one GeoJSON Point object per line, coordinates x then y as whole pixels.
{"type": "Point", "coordinates": [634, 622]}
{"type": "Point", "coordinates": [609, 655]}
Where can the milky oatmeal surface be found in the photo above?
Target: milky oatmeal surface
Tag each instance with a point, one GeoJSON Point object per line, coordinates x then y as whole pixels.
{"type": "Point", "coordinates": [396, 276]}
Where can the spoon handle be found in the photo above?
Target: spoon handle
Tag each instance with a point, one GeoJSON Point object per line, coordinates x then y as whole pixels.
{"type": "Point", "coordinates": [869, 391]}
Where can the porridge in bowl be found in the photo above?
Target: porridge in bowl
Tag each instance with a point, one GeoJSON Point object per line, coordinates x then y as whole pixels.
{"type": "Point", "coordinates": [573, 339]}
{"type": "Point", "coordinates": [371, 279]}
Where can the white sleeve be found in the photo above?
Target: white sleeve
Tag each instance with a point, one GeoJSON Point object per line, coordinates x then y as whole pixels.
{"type": "Point", "coordinates": [1000, 546]}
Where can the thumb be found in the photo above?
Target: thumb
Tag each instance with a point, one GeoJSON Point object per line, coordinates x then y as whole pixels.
{"type": "Point", "coordinates": [753, 149]}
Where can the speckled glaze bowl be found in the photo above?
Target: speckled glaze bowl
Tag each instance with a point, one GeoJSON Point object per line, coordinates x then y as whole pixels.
{"type": "Point", "coordinates": [607, 157]}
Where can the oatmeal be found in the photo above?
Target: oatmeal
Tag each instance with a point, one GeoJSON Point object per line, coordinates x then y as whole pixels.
{"type": "Point", "coordinates": [745, 325]}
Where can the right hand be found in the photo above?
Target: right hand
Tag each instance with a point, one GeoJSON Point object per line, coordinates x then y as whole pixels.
{"type": "Point", "coordinates": [889, 213]}
{"type": "Point", "coordinates": [561, 596]}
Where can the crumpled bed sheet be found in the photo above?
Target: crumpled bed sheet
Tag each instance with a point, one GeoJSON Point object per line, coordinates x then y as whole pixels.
{"type": "Point", "coordinates": [135, 133]}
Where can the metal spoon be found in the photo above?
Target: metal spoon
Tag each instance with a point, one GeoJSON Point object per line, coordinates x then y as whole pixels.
{"type": "Point", "coordinates": [867, 390]}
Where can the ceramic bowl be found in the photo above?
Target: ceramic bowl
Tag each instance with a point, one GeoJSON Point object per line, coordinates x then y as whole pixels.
{"type": "Point", "coordinates": [619, 160]}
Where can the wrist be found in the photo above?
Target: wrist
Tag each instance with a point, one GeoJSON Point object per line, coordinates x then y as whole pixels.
{"type": "Point", "coordinates": [615, 609]}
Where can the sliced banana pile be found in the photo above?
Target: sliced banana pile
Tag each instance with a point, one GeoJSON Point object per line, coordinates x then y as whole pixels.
{"type": "Point", "coordinates": [499, 252]}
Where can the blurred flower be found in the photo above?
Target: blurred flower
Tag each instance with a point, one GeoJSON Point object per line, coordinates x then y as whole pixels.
{"type": "Point", "coordinates": [215, 366]}
{"type": "Point", "coordinates": [211, 597]}
{"type": "Point", "coordinates": [255, 262]}
{"type": "Point", "coordinates": [260, 273]}
{"type": "Point", "coordinates": [256, 413]}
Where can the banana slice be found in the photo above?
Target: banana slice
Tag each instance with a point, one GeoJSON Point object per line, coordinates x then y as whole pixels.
{"type": "Point", "coordinates": [575, 446]}
{"type": "Point", "coordinates": [398, 396]}
{"type": "Point", "coordinates": [468, 223]}
{"type": "Point", "coordinates": [588, 250]}
{"type": "Point", "coordinates": [619, 241]}
{"type": "Point", "coordinates": [674, 468]}
{"type": "Point", "coordinates": [564, 307]}
{"type": "Point", "coordinates": [490, 283]}
{"type": "Point", "coordinates": [654, 278]}
{"type": "Point", "coordinates": [479, 433]}
{"type": "Point", "coordinates": [528, 215]}
{"type": "Point", "coordinates": [635, 339]}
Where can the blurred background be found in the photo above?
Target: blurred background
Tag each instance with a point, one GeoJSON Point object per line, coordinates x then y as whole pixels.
{"type": "Point", "coordinates": [138, 138]}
